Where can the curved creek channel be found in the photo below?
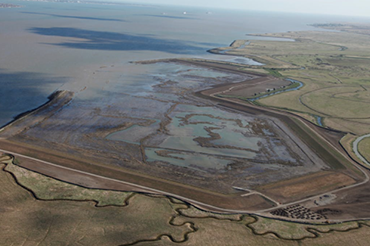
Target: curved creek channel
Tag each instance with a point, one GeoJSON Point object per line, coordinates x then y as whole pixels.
{"type": "Point", "coordinates": [319, 119]}
{"type": "Point", "coordinates": [355, 148]}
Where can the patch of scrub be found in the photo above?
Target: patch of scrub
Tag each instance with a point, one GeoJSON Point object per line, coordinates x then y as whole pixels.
{"type": "Point", "coordinates": [185, 159]}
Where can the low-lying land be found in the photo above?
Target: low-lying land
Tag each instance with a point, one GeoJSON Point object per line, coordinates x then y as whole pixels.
{"type": "Point", "coordinates": [334, 68]}
{"type": "Point", "coordinates": [41, 210]}
{"type": "Point", "coordinates": [360, 28]}
{"type": "Point", "coordinates": [194, 133]}
{"type": "Point", "coordinates": [253, 175]}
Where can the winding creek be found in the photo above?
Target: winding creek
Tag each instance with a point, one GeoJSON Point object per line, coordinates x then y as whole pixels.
{"type": "Point", "coordinates": [355, 148]}
{"type": "Point", "coordinates": [319, 119]}
{"type": "Point", "coordinates": [281, 91]}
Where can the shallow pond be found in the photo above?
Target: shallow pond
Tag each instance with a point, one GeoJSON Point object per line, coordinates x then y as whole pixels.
{"type": "Point", "coordinates": [184, 159]}
{"type": "Point", "coordinates": [183, 133]}
{"type": "Point", "coordinates": [134, 133]}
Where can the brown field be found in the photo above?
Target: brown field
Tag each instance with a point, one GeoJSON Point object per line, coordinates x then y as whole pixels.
{"type": "Point", "coordinates": [223, 201]}
{"type": "Point", "coordinates": [306, 186]}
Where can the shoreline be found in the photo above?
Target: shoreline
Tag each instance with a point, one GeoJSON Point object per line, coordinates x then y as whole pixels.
{"type": "Point", "coordinates": [60, 98]}
{"type": "Point", "coordinates": [51, 97]}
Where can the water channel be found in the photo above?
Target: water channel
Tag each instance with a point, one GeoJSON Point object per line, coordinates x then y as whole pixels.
{"type": "Point", "coordinates": [355, 148]}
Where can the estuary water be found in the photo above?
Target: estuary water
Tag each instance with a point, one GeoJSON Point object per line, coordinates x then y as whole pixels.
{"type": "Point", "coordinates": [87, 48]}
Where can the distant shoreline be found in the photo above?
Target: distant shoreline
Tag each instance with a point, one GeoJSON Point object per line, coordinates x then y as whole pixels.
{"type": "Point", "coordinates": [9, 5]}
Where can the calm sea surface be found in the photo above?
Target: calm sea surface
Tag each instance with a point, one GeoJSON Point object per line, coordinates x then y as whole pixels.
{"type": "Point", "coordinates": [49, 46]}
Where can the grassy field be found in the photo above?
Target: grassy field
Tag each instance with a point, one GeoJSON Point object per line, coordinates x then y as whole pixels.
{"type": "Point", "coordinates": [335, 73]}
{"type": "Point", "coordinates": [42, 211]}
{"type": "Point", "coordinates": [325, 102]}
{"type": "Point", "coordinates": [60, 220]}
{"type": "Point", "coordinates": [46, 188]}
{"type": "Point", "coordinates": [334, 67]}
{"type": "Point", "coordinates": [248, 232]}
{"type": "Point", "coordinates": [296, 231]}
{"type": "Point", "coordinates": [364, 147]}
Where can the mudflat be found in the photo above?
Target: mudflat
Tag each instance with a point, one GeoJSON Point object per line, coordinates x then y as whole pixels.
{"type": "Point", "coordinates": [241, 147]}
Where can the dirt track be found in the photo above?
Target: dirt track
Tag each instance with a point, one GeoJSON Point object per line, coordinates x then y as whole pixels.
{"type": "Point", "coordinates": [96, 176]}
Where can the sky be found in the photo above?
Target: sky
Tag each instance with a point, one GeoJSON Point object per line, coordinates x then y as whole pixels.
{"type": "Point", "coordinates": [336, 7]}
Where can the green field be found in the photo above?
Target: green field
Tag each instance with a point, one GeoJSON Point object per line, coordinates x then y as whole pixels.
{"type": "Point", "coordinates": [334, 68]}
{"type": "Point", "coordinates": [364, 147]}
{"type": "Point", "coordinates": [38, 210]}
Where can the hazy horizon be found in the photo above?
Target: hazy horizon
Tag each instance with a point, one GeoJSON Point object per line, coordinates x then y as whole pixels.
{"type": "Point", "coordinates": [328, 7]}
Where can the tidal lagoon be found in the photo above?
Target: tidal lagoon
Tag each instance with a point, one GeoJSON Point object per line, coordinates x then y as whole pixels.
{"type": "Point", "coordinates": [86, 48]}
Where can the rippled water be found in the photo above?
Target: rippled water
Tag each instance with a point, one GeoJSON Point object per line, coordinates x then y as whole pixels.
{"type": "Point", "coordinates": [138, 112]}
{"type": "Point", "coordinates": [86, 48]}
